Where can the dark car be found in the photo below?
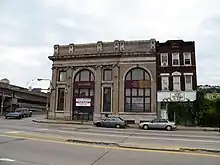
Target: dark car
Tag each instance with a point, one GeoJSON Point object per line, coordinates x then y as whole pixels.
{"type": "Point", "coordinates": [18, 113]}
{"type": "Point", "coordinates": [116, 122]}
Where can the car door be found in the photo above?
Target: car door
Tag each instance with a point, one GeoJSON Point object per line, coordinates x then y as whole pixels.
{"type": "Point", "coordinates": [107, 122]}
{"type": "Point", "coordinates": [162, 123]}
{"type": "Point", "coordinates": [154, 124]}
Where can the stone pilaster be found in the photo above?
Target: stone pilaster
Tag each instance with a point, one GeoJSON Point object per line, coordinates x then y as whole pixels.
{"type": "Point", "coordinates": [53, 94]}
{"type": "Point", "coordinates": [98, 90]}
{"type": "Point", "coordinates": [69, 91]}
{"type": "Point", "coordinates": [115, 93]}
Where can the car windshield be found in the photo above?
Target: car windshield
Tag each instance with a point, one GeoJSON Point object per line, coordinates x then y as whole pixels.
{"type": "Point", "coordinates": [121, 118]}
{"type": "Point", "coordinates": [18, 110]}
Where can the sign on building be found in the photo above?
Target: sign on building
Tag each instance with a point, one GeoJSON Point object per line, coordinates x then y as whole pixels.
{"type": "Point", "coordinates": [83, 102]}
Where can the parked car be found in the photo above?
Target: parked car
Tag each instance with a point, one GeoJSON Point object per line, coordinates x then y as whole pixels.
{"type": "Point", "coordinates": [27, 112]}
{"type": "Point", "coordinates": [18, 113]}
{"type": "Point", "coordinates": [158, 124]}
{"type": "Point", "coordinates": [116, 122]}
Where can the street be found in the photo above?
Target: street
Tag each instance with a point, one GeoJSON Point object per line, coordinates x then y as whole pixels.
{"type": "Point", "coordinates": [26, 143]}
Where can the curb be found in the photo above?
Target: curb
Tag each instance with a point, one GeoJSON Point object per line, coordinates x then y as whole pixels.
{"type": "Point", "coordinates": [143, 148]}
{"type": "Point", "coordinates": [202, 129]}
{"type": "Point", "coordinates": [55, 122]}
{"type": "Point", "coordinates": [129, 126]}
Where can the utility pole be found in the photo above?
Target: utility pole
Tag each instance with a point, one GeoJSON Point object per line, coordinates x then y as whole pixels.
{"type": "Point", "coordinates": [2, 103]}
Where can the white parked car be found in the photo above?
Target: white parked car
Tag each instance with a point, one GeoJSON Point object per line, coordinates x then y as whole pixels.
{"type": "Point", "coordinates": [158, 124]}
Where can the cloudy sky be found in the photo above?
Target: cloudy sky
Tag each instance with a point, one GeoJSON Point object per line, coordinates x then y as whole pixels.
{"type": "Point", "coordinates": [30, 28]}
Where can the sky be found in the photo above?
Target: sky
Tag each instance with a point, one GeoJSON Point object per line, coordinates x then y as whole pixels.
{"type": "Point", "coordinates": [30, 28]}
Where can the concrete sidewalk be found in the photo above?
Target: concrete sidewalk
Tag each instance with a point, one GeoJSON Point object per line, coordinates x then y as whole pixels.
{"type": "Point", "coordinates": [183, 128]}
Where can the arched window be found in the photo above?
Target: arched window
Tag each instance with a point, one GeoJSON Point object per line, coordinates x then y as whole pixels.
{"type": "Point", "coordinates": [84, 75]}
{"type": "Point", "coordinates": [84, 91]}
{"type": "Point", "coordinates": [137, 91]}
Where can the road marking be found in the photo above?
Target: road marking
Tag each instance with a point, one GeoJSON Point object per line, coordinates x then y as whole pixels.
{"type": "Point", "coordinates": [115, 148]}
{"type": "Point", "coordinates": [14, 132]}
{"type": "Point", "coordinates": [7, 160]}
{"type": "Point", "coordinates": [42, 129]}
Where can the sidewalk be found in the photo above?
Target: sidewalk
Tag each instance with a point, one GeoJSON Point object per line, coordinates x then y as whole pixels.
{"type": "Point", "coordinates": [183, 128]}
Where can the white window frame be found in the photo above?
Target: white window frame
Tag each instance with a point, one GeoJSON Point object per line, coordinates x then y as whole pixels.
{"type": "Point", "coordinates": [161, 57]}
{"type": "Point", "coordinates": [177, 76]}
{"type": "Point", "coordinates": [164, 81]}
{"type": "Point", "coordinates": [190, 58]}
{"type": "Point", "coordinates": [188, 87]}
{"type": "Point", "coordinates": [176, 58]}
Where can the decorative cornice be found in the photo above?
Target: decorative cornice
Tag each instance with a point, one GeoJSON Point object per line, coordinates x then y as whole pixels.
{"type": "Point", "coordinates": [102, 55]}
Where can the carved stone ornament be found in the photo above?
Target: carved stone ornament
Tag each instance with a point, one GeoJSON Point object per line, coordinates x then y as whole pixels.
{"type": "Point", "coordinates": [99, 46]}
{"type": "Point", "coordinates": [116, 45]}
{"type": "Point", "coordinates": [56, 49]}
{"type": "Point", "coordinates": [71, 48]}
{"type": "Point", "coordinates": [152, 43]}
{"type": "Point", "coordinates": [122, 45]}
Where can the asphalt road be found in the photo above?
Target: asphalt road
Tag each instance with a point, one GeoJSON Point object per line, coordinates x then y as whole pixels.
{"type": "Point", "coordinates": [20, 151]}
{"type": "Point", "coordinates": [23, 142]}
{"type": "Point", "coordinates": [25, 128]}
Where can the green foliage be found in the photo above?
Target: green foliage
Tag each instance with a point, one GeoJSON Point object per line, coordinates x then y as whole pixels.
{"type": "Point", "coordinates": [202, 112]}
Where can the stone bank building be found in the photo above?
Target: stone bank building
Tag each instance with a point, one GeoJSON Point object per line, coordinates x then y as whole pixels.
{"type": "Point", "coordinates": [115, 78]}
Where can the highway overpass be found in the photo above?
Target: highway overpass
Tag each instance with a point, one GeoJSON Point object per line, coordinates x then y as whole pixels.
{"type": "Point", "coordinates": [12, 96]}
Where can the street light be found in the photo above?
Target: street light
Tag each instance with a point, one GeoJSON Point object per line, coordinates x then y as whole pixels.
{"type": "Point", "coordinates": [48, 92]}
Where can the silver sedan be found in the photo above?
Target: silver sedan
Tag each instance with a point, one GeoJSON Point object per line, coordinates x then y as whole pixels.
{"type": "Point", "coordinates": [158, 124]}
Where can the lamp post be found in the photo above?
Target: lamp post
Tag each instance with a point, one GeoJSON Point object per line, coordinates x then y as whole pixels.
{"type": "Point", "coordinates": [29, 83]}
{"type": "Point", "coordinates": [49, 91]}
{"type": "Point", "coordinates": [2, 102]}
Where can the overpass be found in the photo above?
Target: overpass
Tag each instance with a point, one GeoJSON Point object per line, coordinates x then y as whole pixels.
{"type": "Point", "coordinates": [12, 96]}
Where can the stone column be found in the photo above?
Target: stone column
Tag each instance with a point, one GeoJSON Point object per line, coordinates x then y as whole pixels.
{"type": "Point", "coordinates": [121, 89]}
{"type": "Point", "coordinates": [53, 94]}
{"type": "Point", "coordinates": [153, 97]}
{"type": "Point", "coordinates": [68, 106]}
{"type": "Point", "coordinates": [115, 94]}
{"type": "Point", "coordinates": [98, 90]}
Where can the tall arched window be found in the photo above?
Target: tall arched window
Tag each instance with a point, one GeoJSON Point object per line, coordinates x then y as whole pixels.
{"type": "Point", "coordinates": [83, 89]}
{"type": "Point", "coordinates": [137, 91]}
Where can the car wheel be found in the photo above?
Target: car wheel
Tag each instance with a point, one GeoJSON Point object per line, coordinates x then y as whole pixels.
{"type": "Point", "coordinates": [98, 124]}
{"type": "Point", "coordinates": [6, 117]}
{"type": "Point", "coordinates": [145, 127]}
{"type": "Point", "coordinates": [117, 126]}
{"type": "Point", "coordinates": [168, 128]}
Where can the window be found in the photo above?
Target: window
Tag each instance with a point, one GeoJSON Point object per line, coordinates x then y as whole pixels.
{"type": "Point", "coordinates": [188, 82]}
{"type": "Point", "coordinates": [175, 59]}
{"type": "Point", "coordinates": [137, 98]}
{"type": "Point", "coordinates": [187, 58]}
{"type": "Point", "coordinates": [107, 75]}
{"type": "Point", "coordinates": [84, 92]}
{"type": "Point", "coordinates": [163, 105]}
{"type": "Point", "coordinates": [164, 59]}
{"type": "Point", "coordinates": [107, 94]}
{"type": "Point", "coordinates": [84, 75]}
{"type": "Point", "coordinates": [176, 82]}
{"type": "Point", "coordinates": [62, 76]}
{"type": "Point", "coordinates": [164, 82]}
{"type": "Point", "coordinates": [61, 95]}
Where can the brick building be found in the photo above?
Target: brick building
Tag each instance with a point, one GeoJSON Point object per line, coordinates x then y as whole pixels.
{"type": "Point", "coordinates": [176, 73]}
{"type": "Point", "coordinates": [116, 78]}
